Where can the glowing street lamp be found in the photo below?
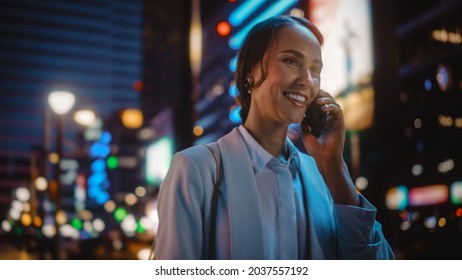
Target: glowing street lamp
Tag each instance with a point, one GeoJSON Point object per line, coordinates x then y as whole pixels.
{"type": "Point", "coordinates": [85, 117]}
{"type": "Point", "coordinates": [61, 103]}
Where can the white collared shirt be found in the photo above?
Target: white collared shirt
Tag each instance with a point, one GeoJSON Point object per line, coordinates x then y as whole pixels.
{"type": "Point", "coordinates": [281, 198]}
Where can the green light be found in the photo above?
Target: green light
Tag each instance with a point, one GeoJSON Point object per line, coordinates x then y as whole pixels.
{"type": "Point", "coordinates": [456, 192]}
{"type": "Point", "coordinates": [120, 214]}
{"type": "Point", "coordinates": [18, 231]}
{"type": "Point", "coordinates": [158, 158]}
{"type": "Point", "coordinates": [404, 195]}
{"type": "Point", "coordinates": [112, 162]}
{"type": "Point", "coordinates": [76, 223]}
{"type": "Point", "coordinates": [139, 227]}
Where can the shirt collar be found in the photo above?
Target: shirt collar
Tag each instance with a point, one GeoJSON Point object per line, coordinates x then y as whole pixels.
{"type": "Point", "coordinates": [260, 157]}
{"type": "Point", "coordinates": [293, 157]}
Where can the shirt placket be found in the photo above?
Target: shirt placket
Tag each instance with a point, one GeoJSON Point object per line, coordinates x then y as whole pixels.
{"type": "Point", "coordinates": [287, 221]}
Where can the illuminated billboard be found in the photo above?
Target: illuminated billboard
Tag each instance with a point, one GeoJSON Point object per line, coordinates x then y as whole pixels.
{"type": "Point", "coordinates": [347, 56]}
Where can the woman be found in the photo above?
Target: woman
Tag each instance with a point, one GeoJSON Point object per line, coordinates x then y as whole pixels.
{"type": "Point", "coordinates": [274, 201]}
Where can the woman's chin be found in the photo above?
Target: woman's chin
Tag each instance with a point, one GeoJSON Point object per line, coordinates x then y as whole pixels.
{"type": "Point", "coordinates": [296, 119]}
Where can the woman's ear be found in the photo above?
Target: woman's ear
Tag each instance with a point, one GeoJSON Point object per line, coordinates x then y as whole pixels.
{"type": "Point", "coordinates": [258, 73]}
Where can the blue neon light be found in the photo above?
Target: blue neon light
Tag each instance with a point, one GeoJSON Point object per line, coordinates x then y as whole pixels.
{"type": "Point", "coordinates": [243, 11]}
{"type": "Point", "coordinates": [428, 84]}
{"type": "Point", "coordinates": [235, 115]}
{"type": "Point", "coordinates": [98, 165]}
{"type": "Point", "coordinates": [97, 179]}
{"type": "Point", "coordinates": [233, 64]}
{"type": "Point", "coordinates": [233, 90]}
{"type": "Point", "coordinates": [97, 194]}
{"type": "Point", "coordinates": [236, 41]}
{"type": "Point", "coordinates": [99, 150]}
{"type": "Point", "coordinates": [106, 137]}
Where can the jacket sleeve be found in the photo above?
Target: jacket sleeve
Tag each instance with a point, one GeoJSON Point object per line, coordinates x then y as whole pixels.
{"type": "Point", "coordinates": [180, 210]}
{"type": "Point", "coordinates": [360, 236]}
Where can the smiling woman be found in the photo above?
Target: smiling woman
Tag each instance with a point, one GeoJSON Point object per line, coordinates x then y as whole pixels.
{"type": "Point", "coordinates": [289, 83]}
{"type": "Point", "coordinates": [272, 201]}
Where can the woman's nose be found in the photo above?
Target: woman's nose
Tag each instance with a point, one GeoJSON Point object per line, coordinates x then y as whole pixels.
{"type": "Point", "coordinates": [306, 79]}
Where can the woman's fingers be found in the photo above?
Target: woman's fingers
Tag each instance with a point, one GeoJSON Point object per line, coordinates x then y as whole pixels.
{"type": "Point", "coordinates": [329, 104]}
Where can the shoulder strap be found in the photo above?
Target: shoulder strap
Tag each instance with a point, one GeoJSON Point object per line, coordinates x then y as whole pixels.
{"type": "Point", "coordinates": [214, 205]}
{"type": "Point", "coordinates": [153, 247]}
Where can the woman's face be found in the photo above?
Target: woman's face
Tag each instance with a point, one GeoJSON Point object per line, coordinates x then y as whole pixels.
{"type": "Point", "coordinates": [293, 77]}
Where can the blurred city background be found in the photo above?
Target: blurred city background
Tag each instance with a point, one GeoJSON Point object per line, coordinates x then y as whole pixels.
{"type": "Point", "coordinates": [97, 95]}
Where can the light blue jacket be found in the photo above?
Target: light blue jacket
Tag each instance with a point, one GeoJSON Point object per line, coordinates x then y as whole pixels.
{"type": "Point", "coordinates": [184, 203]}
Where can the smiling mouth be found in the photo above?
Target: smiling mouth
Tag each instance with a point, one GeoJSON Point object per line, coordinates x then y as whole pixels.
{"type": "Point", "coordinates": [297, 99]}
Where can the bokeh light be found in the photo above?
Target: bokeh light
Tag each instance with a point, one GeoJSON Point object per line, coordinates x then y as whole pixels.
{"type": "Point", "coordinates": [223, 28]}
{"type": "Point", "coordinates": [132, 118]}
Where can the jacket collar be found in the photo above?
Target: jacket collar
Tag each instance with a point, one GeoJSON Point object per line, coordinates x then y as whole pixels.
{"type": "Point", "coordinates": [242, 195]}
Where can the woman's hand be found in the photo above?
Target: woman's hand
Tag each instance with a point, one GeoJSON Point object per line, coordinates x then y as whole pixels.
{"type": "Point", "coordinates": [328, 146]}
{"type": "Point", "coordinates": [327, 151]}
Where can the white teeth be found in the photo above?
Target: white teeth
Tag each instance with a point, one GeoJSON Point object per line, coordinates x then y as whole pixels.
{"type": "Point", "coordinates": [295, 97]}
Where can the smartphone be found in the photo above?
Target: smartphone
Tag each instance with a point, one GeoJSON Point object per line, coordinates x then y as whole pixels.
{"type": "Point", "coordinates": [314, 119]}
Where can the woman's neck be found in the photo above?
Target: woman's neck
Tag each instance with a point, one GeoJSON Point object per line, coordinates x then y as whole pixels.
{"type": "Point", "coordinates": [271, 138]}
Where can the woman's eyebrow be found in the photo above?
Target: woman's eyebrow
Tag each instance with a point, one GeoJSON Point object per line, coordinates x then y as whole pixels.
{"type": "Point", "coordinates": [300, 55]}
{"type": "Point", "coordinates": [294, 52]}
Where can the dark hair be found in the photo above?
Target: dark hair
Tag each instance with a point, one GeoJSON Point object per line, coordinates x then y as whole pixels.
{"type": "Point", "coordinates": [258, 41]}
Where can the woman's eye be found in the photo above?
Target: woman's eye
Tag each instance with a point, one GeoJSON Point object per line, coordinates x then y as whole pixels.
{"type": "Point", "coordinates": [291, 61]}
{"type": "Point", "coordinates": [316, 70]}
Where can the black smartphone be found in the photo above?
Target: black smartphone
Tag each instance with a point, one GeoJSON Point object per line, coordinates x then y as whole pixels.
{"type": "Point", "coordinates": [314, 119]}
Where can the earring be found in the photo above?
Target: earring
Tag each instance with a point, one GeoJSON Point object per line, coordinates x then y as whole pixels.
{"type": "Point", "coordinates": [249, 85]}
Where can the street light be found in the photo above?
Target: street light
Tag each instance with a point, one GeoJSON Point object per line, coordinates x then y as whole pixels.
{"type": "Point", "coordinates": [85, 117]}
{"type": "Point", "coordinates": [60, 102]}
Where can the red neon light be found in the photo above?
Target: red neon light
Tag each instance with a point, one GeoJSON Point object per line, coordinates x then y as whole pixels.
{"type": "Point", "coordinates": [428, 195]}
